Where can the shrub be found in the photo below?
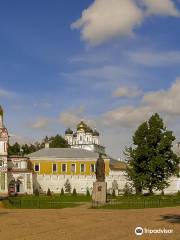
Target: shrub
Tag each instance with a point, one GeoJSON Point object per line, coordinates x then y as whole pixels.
{"type": "Point", "coordinates": [74, 192]}
{"type": "Point", "coordinates": [49, 192]}
{"type": "Point", "coordinates": [127, 190]}
{"type": "Point", "coordinates": [178, 193]}
{"type": "Point", "coordinates": [113, 193]}
{"type": "Point", "coordinates": [62, 191]}
{"type": "Point", "coordinates": [36, 192]}
{"type": "Point", "coordinates": [88, 193]}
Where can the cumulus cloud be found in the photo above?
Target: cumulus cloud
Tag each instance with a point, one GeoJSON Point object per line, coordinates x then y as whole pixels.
{"type": "Point", "coordinates": [129, 92]}
{"type": "Point", "coordinates": [106, 19]}
{"type": "Point", "coordinates": [161, 7]}
{"type": "Point", "coordinates": [165, 102]}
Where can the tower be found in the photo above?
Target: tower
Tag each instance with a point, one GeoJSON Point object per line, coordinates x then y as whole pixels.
{"type": "Point", "coordinates": [3, 155]}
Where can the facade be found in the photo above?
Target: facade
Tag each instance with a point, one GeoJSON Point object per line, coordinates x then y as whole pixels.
{"type": "Point", "coordinates": [15, 174]}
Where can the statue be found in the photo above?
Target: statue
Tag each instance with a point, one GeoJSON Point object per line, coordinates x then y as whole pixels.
{"type": "Point", "coordinates": [100, 169]}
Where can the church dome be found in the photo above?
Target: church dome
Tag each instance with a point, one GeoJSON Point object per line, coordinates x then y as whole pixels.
{"type": "Point", "coordinates": [81, 125]}
{"type": "Point", "coordinates": [89, 130]}
{"type": "Point", "coordinates": [69, 131]}
{"type": "Point", "coordinates": [95, 133]}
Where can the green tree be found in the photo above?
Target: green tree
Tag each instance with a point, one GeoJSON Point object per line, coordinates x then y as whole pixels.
{"type": "Point", "coordinates": [58, 142]}
{"type": "Point", "coordinates": [62, 192]}
{"type": "Point", "coordinates": [74, 192]}
{"type": "Point", "coordinates": [49, 192]}
{"type": "Point", "coordinates": [14, 149]}
{"type": "Point", "coordinates": [151, 162]}
{"type": "Point", "coordinates": [87, 192]}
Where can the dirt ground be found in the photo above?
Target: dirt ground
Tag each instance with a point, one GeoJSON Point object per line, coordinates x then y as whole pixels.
{"type": "Point", "coordinates": [82, 223]}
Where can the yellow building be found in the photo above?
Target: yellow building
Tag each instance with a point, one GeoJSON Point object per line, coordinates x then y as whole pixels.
{"type": "Point", "coordinates": [53, 166]}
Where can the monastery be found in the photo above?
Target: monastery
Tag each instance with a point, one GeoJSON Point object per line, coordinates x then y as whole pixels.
{"type": "Point", "coordinates": [52, 167]}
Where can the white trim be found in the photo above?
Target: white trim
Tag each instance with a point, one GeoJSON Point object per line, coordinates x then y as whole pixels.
{"type": "Point", "coordinates": [62, 168]}
{"type": "Point", "coordinates": [84, 167]}
{"type": "Point", "coordinates": [39, 167]}
{"type": "Point", "coordinates": [56, 167]}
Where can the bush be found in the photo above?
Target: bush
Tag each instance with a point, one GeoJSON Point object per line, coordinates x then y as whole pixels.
{"type": "Point", "coordinates": [36, 192]}
{"type": "Point", "coordinates": [74, 192]}
{"type": "Point", "coordinates": [88, 193]}
{"type": "Point", "coordinates": [62, 191]}
{"type": "Point", "coordinates": [178, 193]}
{"type": "Point", "coordinates": [49, 192]}
{"type": "Point", "coordinates": [127, 190]}
{"type": "Point", "coordinates": [113, 193]}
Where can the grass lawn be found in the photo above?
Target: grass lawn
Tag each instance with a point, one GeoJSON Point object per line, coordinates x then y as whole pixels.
{"type": "Point", "coordinates": [43, 201]}
{"type": "Point", "coordinates": [137, 202]}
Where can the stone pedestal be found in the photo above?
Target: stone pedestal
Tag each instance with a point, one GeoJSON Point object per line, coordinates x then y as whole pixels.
{"type": "Point", "coordinates": [99, 192]}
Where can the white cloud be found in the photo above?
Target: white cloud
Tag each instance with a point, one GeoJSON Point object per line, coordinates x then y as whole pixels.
{"type": "Point", "coordinates": [129, 92]}
{"type": "Point", "coordinates": [166, 101]}
{"type": "Point", "coordinates": [105, 19]}
{"type": "Point", "coordinates": [161, 7]}
{"type": "Point", "coordinates": [40, 123]}
{"type": "Point", "coordinates": [152, 58]}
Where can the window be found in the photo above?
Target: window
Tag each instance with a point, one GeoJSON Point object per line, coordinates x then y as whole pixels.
{"type": "Point", "coordinates": [73, 168]}
{"type": "Point", "coordinates": [64, 167]}
{"type": "Point", "coordinates": [82, 168]}
{"type": "Point", "coordinates": [92, 168]}
{"type": "Point", "coordinates": [54, 167]}
{"type": "Point", "coordinates": [36, 167]}
{"type": "Point", "coordinates": [1, 163]}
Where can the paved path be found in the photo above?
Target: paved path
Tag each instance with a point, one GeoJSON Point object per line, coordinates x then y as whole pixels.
{"type": "Point", "coordinates": [86, 224]}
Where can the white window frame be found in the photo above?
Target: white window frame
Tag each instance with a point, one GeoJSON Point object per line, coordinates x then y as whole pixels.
{"type": "Point", "coordinates": [39, 167]}
{"type": "Point", "coordinates": [74, 168]}
{"type": "Point", "coordinates": [56, 168]}
{"type": "Point", "coordinates": [84, 167]}
{"type": "Point", "coordinates": [62, 167]}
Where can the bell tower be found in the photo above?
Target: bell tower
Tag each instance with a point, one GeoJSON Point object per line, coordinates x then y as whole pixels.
{"type": "Point", "coordinates": [3, 155]}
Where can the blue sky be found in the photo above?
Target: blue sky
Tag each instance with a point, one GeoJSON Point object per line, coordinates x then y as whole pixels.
{"type": "Point", "coordinates": [55, 71]}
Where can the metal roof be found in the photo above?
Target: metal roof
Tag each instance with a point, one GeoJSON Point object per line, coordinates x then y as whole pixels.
{"type": "Point", "coordinates": [63, 153]}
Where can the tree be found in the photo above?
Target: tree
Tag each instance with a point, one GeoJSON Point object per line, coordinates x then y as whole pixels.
{"type": "Point", "coordinates": [67, 186]}
{"type": "Point", "coordinates": [62, 191]}
{"type": "Point", "coordinates": [74, 192]}
{"type": "Point", "coordinates": [14, 149]}
{"type": "Point", "coordinates": [127, 189]}
{"type": "Point", "coordinates": [49, 192]}
{"type": "Point", "coordinates": [152, 162]}
{"type": "Point", "coordinates": [87, 192]}
{"type": "Point", "coordinates": [58, 142]}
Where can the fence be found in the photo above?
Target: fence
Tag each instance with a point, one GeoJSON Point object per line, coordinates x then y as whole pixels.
{"type": "Point", "coordinates": [135, 204]}
{"type": "Point", "coordinates": [41, 204]}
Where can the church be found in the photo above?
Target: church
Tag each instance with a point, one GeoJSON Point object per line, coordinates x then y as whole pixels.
{"type": "Point", "coordinates": [51, 168]}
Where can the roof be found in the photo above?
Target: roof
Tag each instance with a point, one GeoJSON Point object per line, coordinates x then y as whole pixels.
{"type": "Point", "coordinates": [63, 153]}
{"type": "Point", "coordinates": [117, 165]}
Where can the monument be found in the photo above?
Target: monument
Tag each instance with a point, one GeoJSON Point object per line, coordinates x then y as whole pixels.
{"type": "Point", "coordinates": [100, 186]}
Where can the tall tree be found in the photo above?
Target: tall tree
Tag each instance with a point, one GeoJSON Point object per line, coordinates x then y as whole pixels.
{"type": "Point", "coordinates": [151, 162]}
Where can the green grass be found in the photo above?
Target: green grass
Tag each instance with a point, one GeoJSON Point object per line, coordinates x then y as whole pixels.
{"type": "Point", "coordinates": [138, 202]}
{"type": "Point", "coordinates": [44, 202]}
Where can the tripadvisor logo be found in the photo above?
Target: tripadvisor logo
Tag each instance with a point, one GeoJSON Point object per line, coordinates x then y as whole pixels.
{"type": "Point", "coordinates": [139, 231]}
